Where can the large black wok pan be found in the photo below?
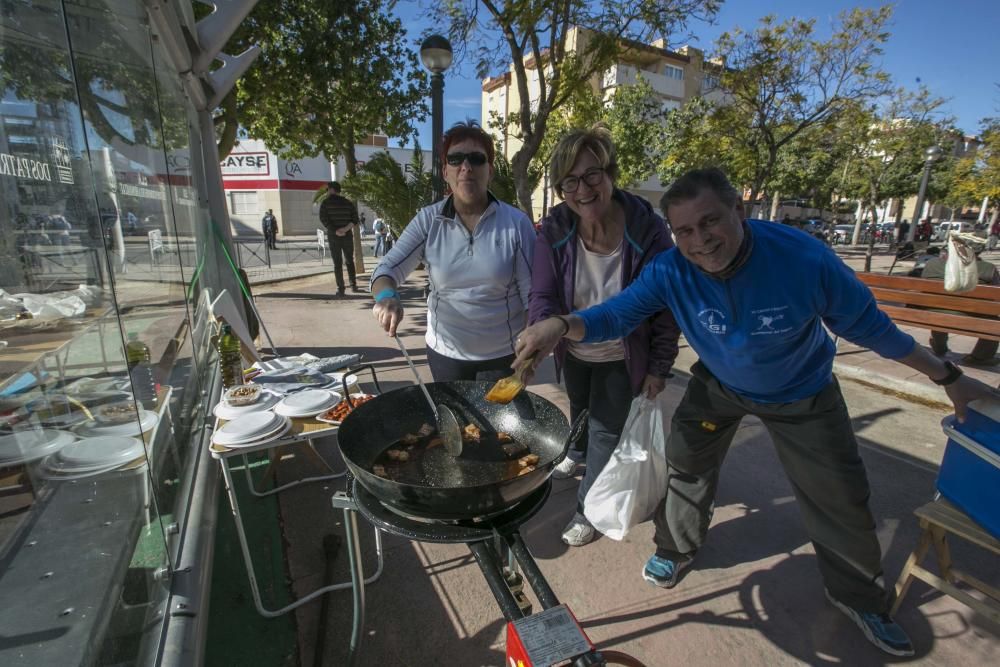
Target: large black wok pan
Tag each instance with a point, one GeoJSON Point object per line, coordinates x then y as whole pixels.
{"type": "Point", "coordinates": [473, 484]}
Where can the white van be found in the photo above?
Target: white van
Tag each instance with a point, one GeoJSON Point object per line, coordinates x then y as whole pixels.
{"type": "Point", "coordinates": [948, 226]}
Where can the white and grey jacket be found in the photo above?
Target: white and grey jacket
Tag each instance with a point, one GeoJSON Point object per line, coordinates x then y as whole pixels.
{"type": "Point", "coordinates": [479, 282]}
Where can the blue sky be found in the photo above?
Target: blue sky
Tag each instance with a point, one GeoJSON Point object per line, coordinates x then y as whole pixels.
{"type": "Point", "coordinates": [951, 47]}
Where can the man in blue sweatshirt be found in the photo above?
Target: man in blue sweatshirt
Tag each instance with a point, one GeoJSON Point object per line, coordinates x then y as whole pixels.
{"type": "Point", "coordinates": [751, 298]}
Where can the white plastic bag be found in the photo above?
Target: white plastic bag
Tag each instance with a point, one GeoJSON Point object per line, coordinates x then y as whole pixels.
{"type": "Point", "coordinates": [960, 271]}
{"type": "Point", "coordinates": [635, 479]}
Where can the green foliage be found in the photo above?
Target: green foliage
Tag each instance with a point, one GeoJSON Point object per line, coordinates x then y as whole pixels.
{"type": "Point", "coordinates": [534, 34]}
{"type": "Point", "coordinates": [635, 116]}
{"type": "Point", "coordinates": [889, 141]}
{"type": "Point", "coordinates": [976, 176]}
{"type": "Point", "coordinates": [389, 191]}
{"type": "Point", "coordinates": [503, 186]}
{"type": "Point", "coordinates": [780, 80]}
{"type": "Point", "coordinates": [329, 73]}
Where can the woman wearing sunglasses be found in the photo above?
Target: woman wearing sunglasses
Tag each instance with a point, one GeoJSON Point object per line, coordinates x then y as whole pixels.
{"type": "Point", "coordinates": [478, 256]}
{"type": "Point", "coordinates": [589, 249]}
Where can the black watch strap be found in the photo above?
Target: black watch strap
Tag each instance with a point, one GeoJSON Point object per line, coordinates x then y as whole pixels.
{"type": "Point", "coordinates": [954, 372]}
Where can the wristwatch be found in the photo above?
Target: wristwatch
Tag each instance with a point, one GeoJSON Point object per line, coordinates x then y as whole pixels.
{"type": "Point", "coordinates": [954, 372]}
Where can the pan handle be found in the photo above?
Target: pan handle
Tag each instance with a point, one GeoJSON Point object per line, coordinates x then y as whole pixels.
{"type": "Point", "coordinates": [575, 431]}
{"type": "Point", "coordinates": [366, 367]}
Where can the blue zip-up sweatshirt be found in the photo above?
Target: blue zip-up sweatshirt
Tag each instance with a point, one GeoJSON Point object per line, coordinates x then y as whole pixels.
{"type": "Point", "coordinates": [759, 331]}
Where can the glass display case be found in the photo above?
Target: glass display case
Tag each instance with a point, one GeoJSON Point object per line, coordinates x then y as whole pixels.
{"type": "Point", "coordinates": [104, 353]}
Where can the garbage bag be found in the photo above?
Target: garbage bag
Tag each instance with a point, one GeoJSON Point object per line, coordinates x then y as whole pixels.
{"type": "Point", "coordinates": [635, 479]}
{"type": "Point", "coordinates": [960, 271]}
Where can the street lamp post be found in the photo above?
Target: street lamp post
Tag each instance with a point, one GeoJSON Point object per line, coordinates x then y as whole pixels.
{"type": "Point", "coordinates": [435, 53]}
{"type": "Point", "coordinates": [931, 156]}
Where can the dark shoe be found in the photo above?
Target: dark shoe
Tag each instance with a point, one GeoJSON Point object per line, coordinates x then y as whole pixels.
{"type": "Point", "coordinates": [355, 288]}
{"type": "Point", "coordinates": [664, 572]}
{"type": "Point", "coordinates": [879, 629]}
{"type": "Point", "coordinates": [938, 350]}
{"type": "Point", "coordinates": [340, 291]}
{"type": "Point", "coordinates": [970, 360]}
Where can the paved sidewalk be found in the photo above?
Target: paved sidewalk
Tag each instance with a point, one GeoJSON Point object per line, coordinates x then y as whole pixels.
{"type": "Point", "coordinates": [754, 597]}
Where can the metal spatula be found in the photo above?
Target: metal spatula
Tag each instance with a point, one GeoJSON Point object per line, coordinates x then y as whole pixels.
{"type": "Point", "coordinates": [447, 425]}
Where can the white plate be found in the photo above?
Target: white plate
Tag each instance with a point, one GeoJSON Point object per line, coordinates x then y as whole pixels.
{"type": "Point", "coordinates": [147, 420]}
{"type": "Point", "coordinates": [352, 380]}
{"type": "Point", "coordinates": [267, 401]}
{"type": "Point", "coordinates": [32, 445]}
{"type": "Point", "coordinates": [307, 403]}
{"type": "Point", "coordinates": [94, 453]}
{"type": "Point", "coordinates": [56, 475]}
{"type": "Point", "coordinates": [285, 428]}
{"type": "Point", "coordinates": [250, 427]}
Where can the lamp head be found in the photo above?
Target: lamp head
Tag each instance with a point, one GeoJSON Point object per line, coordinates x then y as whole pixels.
{"type": "Point", "coordinates": [435, 53]}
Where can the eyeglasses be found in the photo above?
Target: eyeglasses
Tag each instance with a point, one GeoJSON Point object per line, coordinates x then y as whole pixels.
{"type": "Point", "coordinates": [476, 159]}
{"type": "Point", "coordinates": [591, 177]}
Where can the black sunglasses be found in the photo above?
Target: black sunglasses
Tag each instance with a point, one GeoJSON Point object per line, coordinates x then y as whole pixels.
{"type": "Point", "coordinates": [476, 159]}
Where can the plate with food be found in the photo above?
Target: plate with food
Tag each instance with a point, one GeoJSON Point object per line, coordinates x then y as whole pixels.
{"type": "Point", "coordinates": [116, 413]}
{"type": "Point", "coordinates": [339, 412]}
{"type": "Point", "coordinates": [243, 394]}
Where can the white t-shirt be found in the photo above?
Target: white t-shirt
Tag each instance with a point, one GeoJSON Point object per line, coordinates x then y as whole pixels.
{"type": "Point", "coordinates": [598, 278]}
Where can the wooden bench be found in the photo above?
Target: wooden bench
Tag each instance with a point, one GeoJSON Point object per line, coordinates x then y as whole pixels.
{"type": "Point", "coordinates": [938, 519]}
{"type": "Point", "coordinates": [975, 313]}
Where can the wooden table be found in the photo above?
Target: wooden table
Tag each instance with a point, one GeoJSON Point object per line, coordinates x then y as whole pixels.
{"type": "Point", "coordinates": [937, 519]}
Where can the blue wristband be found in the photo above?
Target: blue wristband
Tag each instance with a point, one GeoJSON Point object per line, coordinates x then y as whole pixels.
{"type": "Point", "coordinates": [387, 293]}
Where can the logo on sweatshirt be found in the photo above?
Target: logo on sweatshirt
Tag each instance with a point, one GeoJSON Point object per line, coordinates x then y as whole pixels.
{"type": "Point", "coordinates": [770, 321]}
{"type": "Point", "coordinates": [713, 320]}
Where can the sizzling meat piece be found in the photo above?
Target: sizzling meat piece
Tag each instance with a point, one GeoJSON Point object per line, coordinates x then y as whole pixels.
{"type": "Point", "coordinates": [471, 433]}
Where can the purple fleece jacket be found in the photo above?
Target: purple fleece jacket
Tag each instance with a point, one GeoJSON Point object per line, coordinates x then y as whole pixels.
{"type": "Point", "coordinates": [651, 348]}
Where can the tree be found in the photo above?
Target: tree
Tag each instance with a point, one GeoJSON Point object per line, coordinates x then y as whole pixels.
{"type": "Point", "coordinates": [389, 191]}
{"type": "Point", "coordinates": [782, 80]}
{"type": "Point", "coordinates": [634, 115]}
{"type": "Point", "coordinates": [889, 141]}
{"type": "Point", "coordinates": [535, 35]}
{"type": "Point", "coordinates": [329, 74]}
{"type": "Point", "coordinates": [978, 175]}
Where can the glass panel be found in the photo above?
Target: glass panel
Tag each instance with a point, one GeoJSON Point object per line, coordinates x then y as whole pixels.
{"type": "Point", "coordinates": [81, 541]}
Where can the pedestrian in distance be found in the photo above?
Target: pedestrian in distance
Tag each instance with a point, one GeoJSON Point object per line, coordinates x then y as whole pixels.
{"type": "Point", "coordinates": [269, 226]}
{"type": "Point", "coordinates": [381, 230]}
{"type": "Point", "coordinates": [339, 216]}
{"type": "Point", "coordinates": [591, 246]}
{"type": "Point", "coordinates": [994, 237]}
{"type": "Point", "coordinates": [754, 301]}
{"type": "Point", "coordinates": [477, 251]}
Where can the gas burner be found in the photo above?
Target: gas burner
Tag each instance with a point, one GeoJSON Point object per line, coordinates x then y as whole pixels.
{"type": "Point", "coordinates": [423, 529]}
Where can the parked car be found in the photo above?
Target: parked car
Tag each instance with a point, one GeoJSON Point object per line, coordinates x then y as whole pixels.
{"type": "Point", "coordinates": [945, 228]}
{"type": "Point", "coordinates": [842, 234]}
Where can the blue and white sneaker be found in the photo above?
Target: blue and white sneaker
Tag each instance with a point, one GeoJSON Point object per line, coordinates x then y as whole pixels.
{"type": "Point", "coordinates": [880, 629]}
{"type": "Point", "coordinates": [663, 572]}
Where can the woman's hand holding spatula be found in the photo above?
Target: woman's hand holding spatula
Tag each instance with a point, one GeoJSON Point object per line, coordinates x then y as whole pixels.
{"type": "Point", "coordinates": [534, 344]}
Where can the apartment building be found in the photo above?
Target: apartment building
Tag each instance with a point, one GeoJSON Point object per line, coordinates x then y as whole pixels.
{"type": "Point", "coordinates": [675, 76]}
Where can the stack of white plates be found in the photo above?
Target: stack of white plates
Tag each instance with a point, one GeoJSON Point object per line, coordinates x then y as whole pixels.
{"type": "Point", "coordinates": [338, 378]}
{"type": "Point", "coordinates": [253, 429]}
{"type": "Point", "coordinates": [92, 456]}
{"type": "Point", "coordinates": [266, 401]}
{"type": "Point", "coordinates": [130, 428]}
{"type": "Point", "coordinates": [25, 446]}
{"type": "Point", "coordinates": [307, 403]}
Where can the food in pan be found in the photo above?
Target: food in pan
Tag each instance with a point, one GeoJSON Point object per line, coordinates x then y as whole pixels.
{"type": "Point", "coordinates": [340, 411]}
{"type": "Point", "coordinates": [471, 433]}
{"type": "Point", "coordinates": [416, 458]}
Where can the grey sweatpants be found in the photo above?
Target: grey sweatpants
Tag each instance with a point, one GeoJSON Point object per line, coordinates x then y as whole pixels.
{"type": "Point", "coordinates": [816, 446]}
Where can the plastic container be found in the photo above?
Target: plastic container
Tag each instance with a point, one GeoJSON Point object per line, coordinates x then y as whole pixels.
{"type": "Point", "coordinates": [970, 471]}
{"type": "Point", "coordinates": [140, 371]}
{"type": "Point", "coordinates": [230, 358]}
